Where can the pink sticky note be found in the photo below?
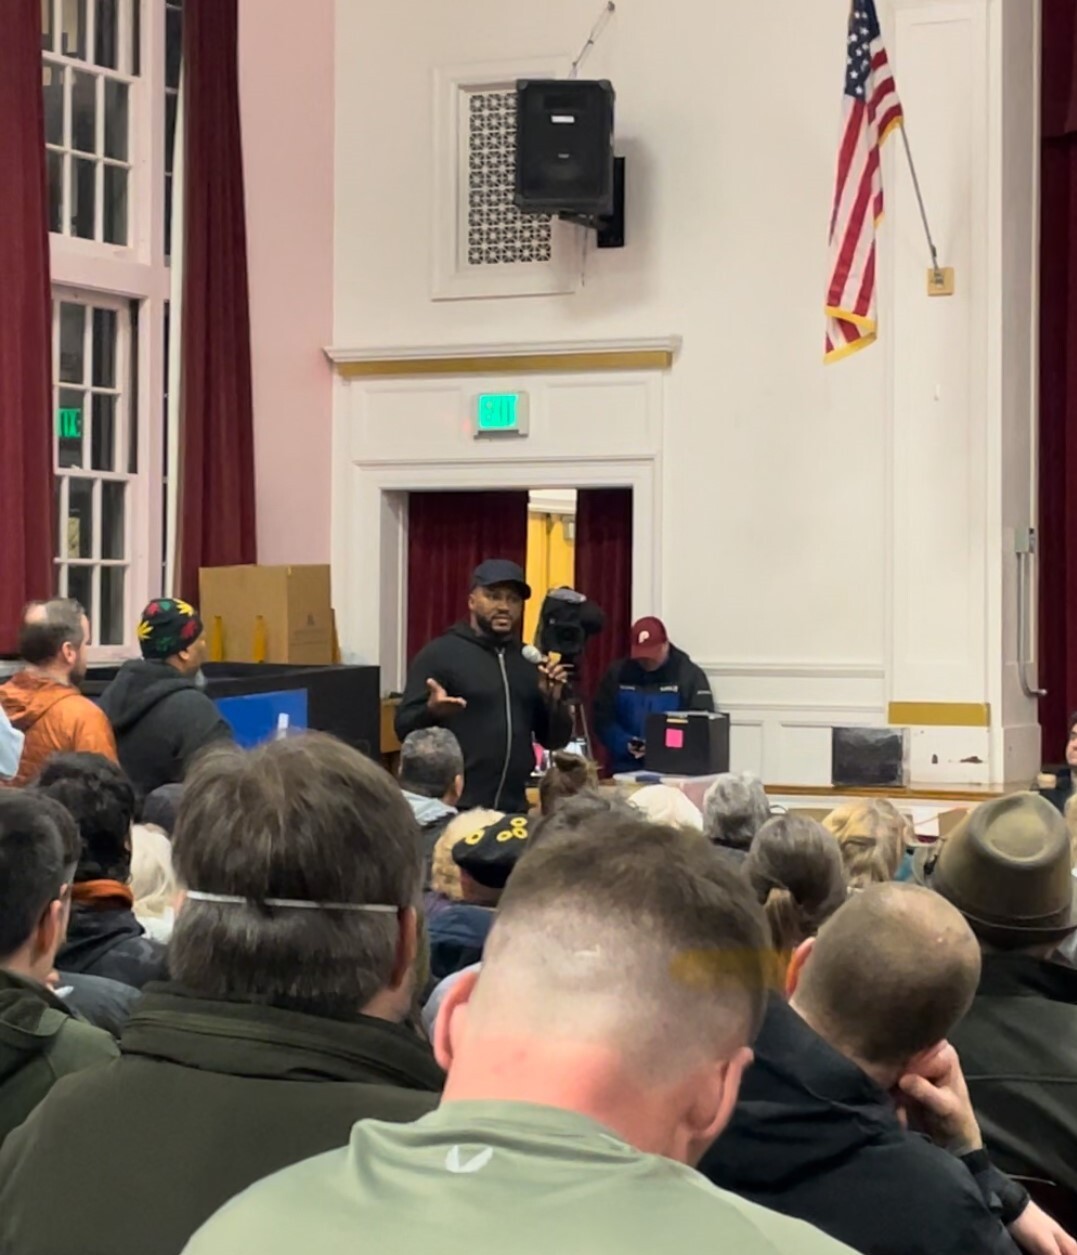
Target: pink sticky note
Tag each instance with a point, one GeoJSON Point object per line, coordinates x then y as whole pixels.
{"type": "Point", "coordinates": [674, 739]}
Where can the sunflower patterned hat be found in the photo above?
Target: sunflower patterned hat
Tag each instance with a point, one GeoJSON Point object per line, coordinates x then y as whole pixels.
{"type": "Point", "coordinates": [168, 626]}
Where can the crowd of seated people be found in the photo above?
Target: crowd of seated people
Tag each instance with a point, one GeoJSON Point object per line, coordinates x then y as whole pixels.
{"type": "Point", "coordinates": [275, 1000]}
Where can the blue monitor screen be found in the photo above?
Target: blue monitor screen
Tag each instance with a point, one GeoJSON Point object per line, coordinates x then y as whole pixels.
{"type": "Point", "coordinates": [259, 717]}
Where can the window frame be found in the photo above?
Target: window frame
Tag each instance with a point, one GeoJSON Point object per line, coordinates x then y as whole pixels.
{"type": "Point", "coordinates": [136, 272]}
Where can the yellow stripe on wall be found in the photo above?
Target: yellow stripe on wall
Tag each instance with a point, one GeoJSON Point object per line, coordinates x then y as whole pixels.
{"type": "Point", "coordinates": [940, 714]}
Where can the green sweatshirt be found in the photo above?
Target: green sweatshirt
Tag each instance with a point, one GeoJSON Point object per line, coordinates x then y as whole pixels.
{"type": "Point", "coordinates": [490, 1178]}
{"type": "Point", "coordinates": [41, 1040]}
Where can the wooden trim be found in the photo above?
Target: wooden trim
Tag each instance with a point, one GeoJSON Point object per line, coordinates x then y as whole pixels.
{"type": "Point", "coordinates": [940, 714]}
{"type": "Point", "coordinates": [509, 364]}
{"type": "Point", "coordinates": [928, 793]}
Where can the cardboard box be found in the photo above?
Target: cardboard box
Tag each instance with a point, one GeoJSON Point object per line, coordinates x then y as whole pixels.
{"type": "Point", "coordinates": [268, 614]}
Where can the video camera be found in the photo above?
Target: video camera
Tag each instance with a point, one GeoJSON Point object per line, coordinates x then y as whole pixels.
{"type": "Point", "coordinates": [567, 621]}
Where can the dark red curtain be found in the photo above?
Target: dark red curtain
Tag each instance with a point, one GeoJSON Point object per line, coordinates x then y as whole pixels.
{"type": "Point", "coordinates": [449, 534]}
{"type": "Point", "coordinates": [604, 573]}
{"type": "Point", "coordinates": [26, 475]}
{"type": "Point", "coordinates": [216, 511]}
{"type": "Point", "coordinates": [1058, 376]}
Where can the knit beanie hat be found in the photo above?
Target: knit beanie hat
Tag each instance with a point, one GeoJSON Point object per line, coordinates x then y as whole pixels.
{"type": "Point", "coordinates": [168, 626]}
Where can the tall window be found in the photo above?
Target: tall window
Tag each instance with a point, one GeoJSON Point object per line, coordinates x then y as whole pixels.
{"type": "Point", "coordinates": [110, 75]}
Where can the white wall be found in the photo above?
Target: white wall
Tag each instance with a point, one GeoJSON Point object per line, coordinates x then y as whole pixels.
{"type": "Point", "coordinates": [795, 562]}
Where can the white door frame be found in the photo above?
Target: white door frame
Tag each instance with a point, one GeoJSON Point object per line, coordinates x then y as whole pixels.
{"type": "Point", "coordinates": [370, 538]}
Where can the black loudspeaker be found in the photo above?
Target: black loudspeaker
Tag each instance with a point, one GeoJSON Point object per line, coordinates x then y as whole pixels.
{"type": "Point", "coordinates": [564, 147]}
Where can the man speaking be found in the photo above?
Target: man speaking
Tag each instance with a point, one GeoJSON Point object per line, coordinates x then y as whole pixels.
{"type": "Point", "coordinates": [476, 681]}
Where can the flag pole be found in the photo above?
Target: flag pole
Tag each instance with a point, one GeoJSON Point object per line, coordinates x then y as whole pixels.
{"type": "Point", "coordinates": [923, 211]}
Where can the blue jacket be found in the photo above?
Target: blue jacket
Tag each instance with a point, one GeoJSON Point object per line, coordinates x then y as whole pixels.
{"type": "Point", "coordinates": [628, 694]}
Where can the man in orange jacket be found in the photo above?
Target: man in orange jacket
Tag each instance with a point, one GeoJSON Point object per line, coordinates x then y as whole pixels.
{"type": "Point", "coordinates": [43, 701]}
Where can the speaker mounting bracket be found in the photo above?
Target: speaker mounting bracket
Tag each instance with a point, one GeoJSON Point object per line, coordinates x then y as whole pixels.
{"type": "Point", "coordinates": [609, 228]}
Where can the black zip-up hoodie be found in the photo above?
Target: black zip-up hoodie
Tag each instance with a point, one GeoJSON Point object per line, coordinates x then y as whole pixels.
{"type": "Point", "coordinates": [161, 720]}
{"type": "Point", "coordinates": [504, 709]}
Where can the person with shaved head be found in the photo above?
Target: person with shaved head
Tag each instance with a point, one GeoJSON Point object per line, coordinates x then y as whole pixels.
{"type": "Point", "coordinates": [590, 1063]}
{"type": "Point", "coordinates": [855, 1115]}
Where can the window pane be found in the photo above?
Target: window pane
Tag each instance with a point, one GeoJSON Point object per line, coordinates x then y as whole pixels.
{"type": "Point", "coordinates": [72, 342]}
{"type": "Point", "coordinates": [136, 36]}
{"type": "Point", "coordinates": [168, 216]}
{"type": "Point", "coordinates": [79, 520]}
{"type": "Point", "coordinates": [82, 197]}
{"type": "Point", "coordinates": [132, 395]}
{"type": "Point", "coordinates": [73, 28]}
{"type": "Point", "coordinates": [112, 519]}
{"type": "Point", "coordinates": [111, 627]}
{"type": "Point", "coordinates": [106, 16]}
{"type": "Point", "coordinates": [115, 119]}
{"type": "Point", "coordinates": [103, 436]}
{"type": "Point", "coordinates": [104, 348]}
{"type": "Point", "coordinates": [173, 45]}
{"type": "Point", "coordinates": [46, 25]}
{"type": "Point", "coordinates": [80, 587]}
{"type": "Point", "coordinates": [70, 423]}
{"type": "Point", "coordinates": [115, 205]}
{"type": "Point", "coordinates": [55, 163]}
{"type": "Point", "coordinates": [83, 110]}
{"type": "Point", "coordinates": [52, 79]}
{"type": "Point", "coordinates": [171, 104]}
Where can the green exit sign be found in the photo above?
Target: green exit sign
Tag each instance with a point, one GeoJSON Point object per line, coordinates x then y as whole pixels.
{"type": "Point", "coordinates": [501, 414]}
{"type": "Point", "coordinates": [69, 424]}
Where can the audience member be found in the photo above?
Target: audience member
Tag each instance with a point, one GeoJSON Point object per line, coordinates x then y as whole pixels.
{"type": "Point", "coordinates": [735, 807]}
{"type": "Point", "coordinates": [11, 743]}
{"type": "Point", "coordinates": [43, 700]}
{"type": "Point", "coordinates": [797, 873]}
{"type": "Point", "coordinates": [1007, 869]}
{"type": "Point", "coordinates": [460, 910]}
{"type": "Point", "coordinates": [160, 807]}
{"type": "Point", "coordinates": [663, 804]}
{"type": "Point", "coordinates": [431, 778]}
{"type": "Point", "coordinates": [292, 957]}
{"type": "Point", "coordinates": [99, 1001]}
{"type": "Point", "coordinates": [41, 1039]}
{"type": "Point", "coordinates": [158, 710]}
{"type": "Point", "coordinates": [571, 1111]}
{"type": "Point", "coordinates": [598, 810]}
{"type": "Point", "coordinates": [818, 1132]}
{"type": "Point", "coordinates": [153, 882]}
{"type": "Point", "coordinates": [568, 775]}
{"type": "Point", "coordinates": [103, 938]}
{"type": "Point", "coordinates": [1060, 789]}
{"type": "Point", "coordinates": [873, 836]}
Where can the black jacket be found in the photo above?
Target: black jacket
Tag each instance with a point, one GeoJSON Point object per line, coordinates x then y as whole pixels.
{"type": "Point", "coordinates": [110, 942]}
{"type": "Point", "coordinates": [814, 1137]}
{"type": "Point", "coordinates": [504, 710]}
{"type": "Point", "coordinates": [628, 695]}
{"type": "Point", "coordinates": [1062, 791]}
{"type": "Point", "coordinates": [206, 1098]}
{"type": "Point", "coordinates": [161, 720]}
{"type": "Point", "coordinates": [1018, 1048]}
{"type": "Point", "coordinates": [103, 1003]}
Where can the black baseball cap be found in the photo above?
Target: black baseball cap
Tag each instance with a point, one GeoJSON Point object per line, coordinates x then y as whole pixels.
{"type": "Point", "coordinates": [500, 571]}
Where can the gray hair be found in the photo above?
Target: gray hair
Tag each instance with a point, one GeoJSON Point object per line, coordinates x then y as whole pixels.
{"type": "Point", "coordinates": [47, 626]}
{"type": "Point", "coordinates": [430, 760]}
{"type": "Point", "coordinates": [734, 809]}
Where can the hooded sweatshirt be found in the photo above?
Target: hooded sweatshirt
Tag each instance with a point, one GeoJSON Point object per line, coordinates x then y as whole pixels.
{"type": "Point", "coordinates": [815, 1137]}
{"type": "Point", "coordinates": [54, 718]}
{"type": "Point", "coordinates": [161, 719]}
{"type": "Point", "coordinates": [504, 710]}
{"type": "Point", "coordinates": [41, 1040]}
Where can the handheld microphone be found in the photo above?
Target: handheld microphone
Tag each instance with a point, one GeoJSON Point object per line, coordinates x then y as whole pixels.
{"type": "Point", "coordinates": [532, 654]}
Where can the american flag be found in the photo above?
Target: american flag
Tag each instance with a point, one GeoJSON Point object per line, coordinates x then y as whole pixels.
{"type": "Point", "coordinates": [871, 110]}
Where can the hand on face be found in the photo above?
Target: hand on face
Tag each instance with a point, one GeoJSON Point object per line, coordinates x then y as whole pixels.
{"type": "Point", "coordinates": [936, 1101]}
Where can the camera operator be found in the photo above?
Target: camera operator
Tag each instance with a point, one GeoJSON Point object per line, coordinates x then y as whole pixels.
{"type": "Point", "coordinates": [475, 680]}
{"type": "Point", "coordinates": [657, 678]}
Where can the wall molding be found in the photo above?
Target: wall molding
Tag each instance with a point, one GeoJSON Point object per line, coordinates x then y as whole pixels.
{"type": "Point", "coordinates": [551, 357]}
{"type": "Point", "coordinates": [798, 670]}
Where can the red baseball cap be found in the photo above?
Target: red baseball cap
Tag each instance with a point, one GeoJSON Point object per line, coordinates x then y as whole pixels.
{"type": "Point", "coordinates": [649, 638]}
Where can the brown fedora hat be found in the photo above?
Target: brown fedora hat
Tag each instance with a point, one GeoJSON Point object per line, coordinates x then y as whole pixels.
{"type": "Point", "coordinates": [1007, 869]}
